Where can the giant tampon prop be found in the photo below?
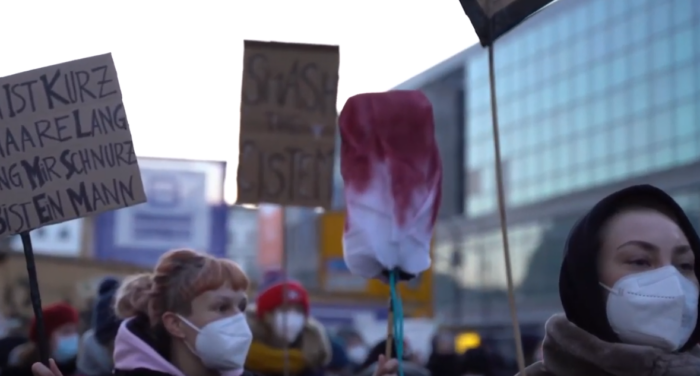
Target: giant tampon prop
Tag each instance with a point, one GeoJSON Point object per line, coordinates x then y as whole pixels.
{"type": "Point", "coordinates": [392, 171]}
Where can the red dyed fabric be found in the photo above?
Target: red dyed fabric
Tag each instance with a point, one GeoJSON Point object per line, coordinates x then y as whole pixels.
{"type": "Point", "coordinates": [390, 162]}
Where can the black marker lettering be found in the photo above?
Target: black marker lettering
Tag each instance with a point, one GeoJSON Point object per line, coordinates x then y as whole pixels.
{"type": "Point", "coordinates": [30, 92]}
{"type": "Point", "coordinates": [80, 133]}
{"type": "Point", "coordinates": [42, 127]}
{"type": "Point", "coordinates": [66, 160]}
{"type": "Point", "coordinates": [8, 98]}
{"type": "Point", "coordinates": [26, 138]}
{"type": "Point", "coordinates": [20, 97]}
{"type": "Point", "coordinates": [22, 216]}
{"type": "Point", "coordinates": [103, 81]}
{"type": "Point", "coordinates": [83, 79]}
{"type": "Point", "coordinates": [10, 177]}
{"type": "Point", "coordinates": [62, 127]}
{"type": "Point", "coordinates": [33, 172]}
{"type": "Point", "coordinates": [257, 71]}
{"type": "Point", "coordinates": [42, 209]}
{"type": "Point", "coordinates": [56, 205]}
{"type": "Point", "coordinates": [79, 200]}
{"type": "Point", "coordinates": [51, 94]}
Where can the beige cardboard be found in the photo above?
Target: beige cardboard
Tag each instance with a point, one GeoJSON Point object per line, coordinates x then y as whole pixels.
{"type": "Point", "coordinates": [288, 124]}
{"type": "Point", "coordinates": [65, 145]}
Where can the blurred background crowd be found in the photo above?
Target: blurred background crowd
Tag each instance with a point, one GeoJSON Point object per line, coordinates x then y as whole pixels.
{"type": "Point", "coordinates": [82, 341]}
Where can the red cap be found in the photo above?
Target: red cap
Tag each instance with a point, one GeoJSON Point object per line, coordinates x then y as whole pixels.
{"type": "Point", "coordinates": [55, 316]}
{"type": "Point", "coordinates": [273, 297]}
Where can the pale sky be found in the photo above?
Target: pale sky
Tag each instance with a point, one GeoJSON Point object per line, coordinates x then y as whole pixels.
{"type": "Point", "coordinates": [180, 62]}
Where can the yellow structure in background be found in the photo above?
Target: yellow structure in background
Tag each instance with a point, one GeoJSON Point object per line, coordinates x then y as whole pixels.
{"type": "Point", "coordinates": [335, 279]}
{"type": "Point", "coordinates": [467, 341]}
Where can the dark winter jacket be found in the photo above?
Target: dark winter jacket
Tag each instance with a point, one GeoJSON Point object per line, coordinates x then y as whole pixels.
{"type": "Point", "coordinates": [22, 357]}
{"type": "Point", "coordinates": [67, 369]}
{"type": "Point", "coordinates": [136, 353]}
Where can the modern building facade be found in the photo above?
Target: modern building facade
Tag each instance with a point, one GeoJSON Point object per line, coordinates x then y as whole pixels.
{"type": "Point", "coordinates": [593, 96]}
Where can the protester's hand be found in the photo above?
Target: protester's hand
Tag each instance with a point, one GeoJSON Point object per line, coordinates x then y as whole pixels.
{"type": "Point", "coordinates": [385, 367]}
{"type": "Point", "coordinates": [39, 369]}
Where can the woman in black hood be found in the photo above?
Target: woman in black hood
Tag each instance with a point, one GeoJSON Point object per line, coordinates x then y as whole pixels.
{"type": "Point", "coordinates": [629, 288]}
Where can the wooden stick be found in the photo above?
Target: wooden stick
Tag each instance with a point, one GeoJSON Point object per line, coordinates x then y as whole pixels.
{"type": "Point", "coordinates": [519, 353]}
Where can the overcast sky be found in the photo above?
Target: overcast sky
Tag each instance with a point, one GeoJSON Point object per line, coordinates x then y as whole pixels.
{"type": "Point", "coordinates": [180, 62]}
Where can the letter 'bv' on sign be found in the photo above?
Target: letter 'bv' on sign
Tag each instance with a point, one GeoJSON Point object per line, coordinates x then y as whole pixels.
{"type": "Point", "coordinates": [288, 124]}
{"type": "Point", "coordinates": [65, 145]}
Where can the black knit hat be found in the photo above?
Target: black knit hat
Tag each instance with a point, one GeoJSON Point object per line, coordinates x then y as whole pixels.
{"type": "Point", "coordinates": [104, 322]}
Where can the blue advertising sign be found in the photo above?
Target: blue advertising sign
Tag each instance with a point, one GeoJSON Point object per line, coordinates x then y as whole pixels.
{"type": "Point", "coordinates": [334, 315]}
{"type": "Point", "coordinates": [185, 209]}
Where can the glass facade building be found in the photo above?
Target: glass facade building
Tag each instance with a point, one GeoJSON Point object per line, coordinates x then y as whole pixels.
{"type": "Point", "coordinates": [536, 250]}
{"type": "Point", "coordinates": [593, 95]}
{"type": "Point", "coordinates": [589, 92]}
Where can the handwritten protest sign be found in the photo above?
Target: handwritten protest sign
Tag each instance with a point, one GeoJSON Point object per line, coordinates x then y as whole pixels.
{"type": "Point", "coordinates": [288, 123]}
{"type": "Point", "coordinates": [65, 145]}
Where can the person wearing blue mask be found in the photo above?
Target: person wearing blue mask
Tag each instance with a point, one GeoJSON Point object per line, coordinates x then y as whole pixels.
{"type": "Point", "coordinates": [61, 328]}
{"type": "Point", "coordinates": [95, 357]}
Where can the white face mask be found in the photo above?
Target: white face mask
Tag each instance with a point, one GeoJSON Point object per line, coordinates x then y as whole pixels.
{"type": "Point", "coordinates": [223, 344]}
{"type": "Point", "coordinates": [656, 308]}
{"type": "Point", "coordinates": [288, 325]}
{"type": "Point", "coordinates": [357, 354]}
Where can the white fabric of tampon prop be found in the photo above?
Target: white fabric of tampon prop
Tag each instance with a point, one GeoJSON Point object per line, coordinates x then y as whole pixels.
{"type": "Point", "coordinates": [375, 242]}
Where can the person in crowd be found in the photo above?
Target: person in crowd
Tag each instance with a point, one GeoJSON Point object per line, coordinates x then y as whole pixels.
{"type": "Point", "coordinates": [484, 360]}
{"type": "Point", "coordinates": [409, 365]}
{"type": "Point", "coordinates": [278, 323]}
{"type": "Point", "coordinates": [184, 319]}
{"type": "Point", "coordinates": [7, 344]}
{"type": "Point", "coordinates": [61, 329]}
{"type": "Point", "coordinates": [97, 345]}
{"type": "Point", "coordinates": [339, 364]}
{"type": "Point", "coordinates": [531, 345]}
{"type": "Point", "coordinates": [629, 287]}
{"type": "Point", "coordinates": [444, 360]}
{"type": "Point", "coordinates": [355, 346]}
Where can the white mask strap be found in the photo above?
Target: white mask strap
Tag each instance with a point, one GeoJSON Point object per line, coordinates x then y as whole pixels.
{"type": "Point", "coordinates": [192, 350]}
{"type": "Point", "coordinates": [188, 323]}
{"type": "Point", "coordinates": [608, 288]}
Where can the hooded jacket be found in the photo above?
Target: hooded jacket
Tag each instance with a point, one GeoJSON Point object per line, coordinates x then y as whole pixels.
{"type": "Point", "coordinates": [307, 355]}
{"type": "Point", "coordinates": [571, 351]}
{"type": "Point", "coordinates": [136, 354]}
{"type": "Point", "coordinates": [582, 342]}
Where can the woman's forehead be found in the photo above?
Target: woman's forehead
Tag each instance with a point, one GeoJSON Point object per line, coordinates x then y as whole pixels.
{"type": "Point", "coordinates": [643, 225]}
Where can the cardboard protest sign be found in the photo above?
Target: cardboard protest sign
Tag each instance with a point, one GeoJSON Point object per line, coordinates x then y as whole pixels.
{"type": "Point", "coordinates": [65, 145]}
{"type": "Point", "coordinates": [288, 123]}
{"type": "Point", "coordinates": [493, 18]}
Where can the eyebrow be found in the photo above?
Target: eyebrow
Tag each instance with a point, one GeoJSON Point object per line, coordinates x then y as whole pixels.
{"type": "Point", "coordinates": [680, 249]}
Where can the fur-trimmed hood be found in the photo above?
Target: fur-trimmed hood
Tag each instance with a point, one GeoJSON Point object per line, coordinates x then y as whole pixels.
{"type": "Point", "coordinates": [570, 351]}
{"type": "Point", "coordinates": [313, 341]}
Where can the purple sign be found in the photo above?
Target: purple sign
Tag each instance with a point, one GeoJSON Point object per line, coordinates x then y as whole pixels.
{"type": "Point", "coordinates": [185, 209]}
